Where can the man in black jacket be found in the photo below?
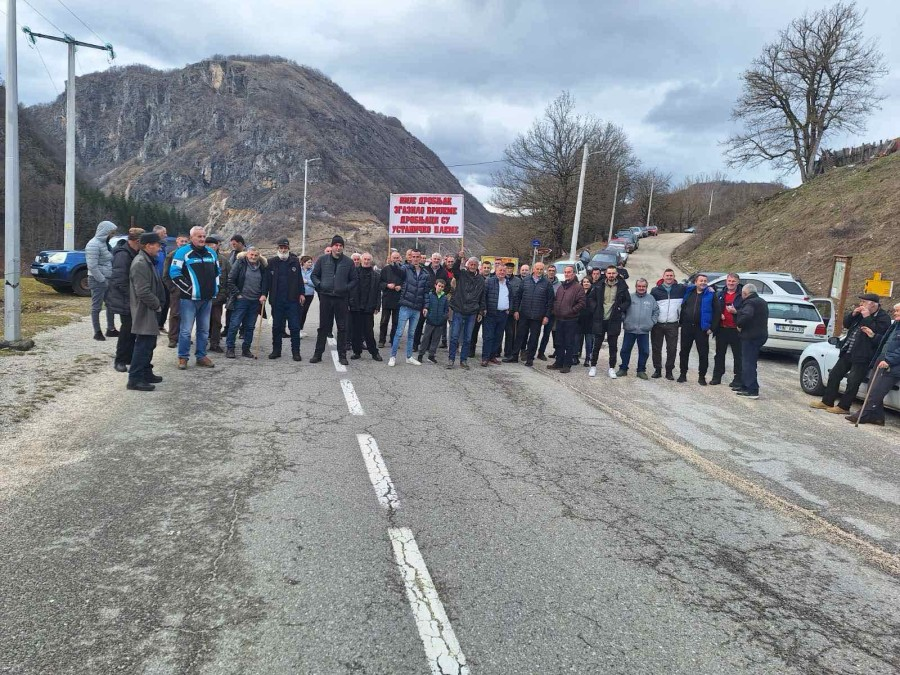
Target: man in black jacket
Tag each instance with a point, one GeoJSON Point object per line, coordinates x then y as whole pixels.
{"type": "Point", "coordinates": [608, 302]}
{"type": "Point", "coordinates": [333, 276]}
{"type": "Point", "coordinates": [468, 306]}
{"type": "Point", "coordinates": [365, 299]}
{"type": "Point", "coordinates": [531, 308]}
{"type": "Point", "coordinates": [510, 337]}
{"type": "Point", "coordinates": [118, 299]}
{"type": "Point", "coordinates": [285, 295]}
{"type": "Point", "coordinates": [752, 320]}
{"type": "Point", "coordinates": [390, 281]}
{"type": "Point", "coordinates": [865, 325]}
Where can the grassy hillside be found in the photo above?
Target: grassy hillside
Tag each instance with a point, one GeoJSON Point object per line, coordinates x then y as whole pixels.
{"type": "Point", "coordinates": [850, 211]}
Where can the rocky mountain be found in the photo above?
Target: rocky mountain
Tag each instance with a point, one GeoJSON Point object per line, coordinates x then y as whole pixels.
{"type": "Point", "coordinates": [225, 140]}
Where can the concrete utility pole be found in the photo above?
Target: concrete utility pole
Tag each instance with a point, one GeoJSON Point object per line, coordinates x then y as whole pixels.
{"type": "Point", "coordinates": [69, 217]}
{"type": "Point", "coordinates": [575, 226]}
{"type": "Point", "coordinates": [709, 213]}
{"type": "Point", "coordinates": [612, 218]}
{"type": "Point", "coordinates": [305, 172]}
{"type": "Point", "coordinates": [12, 309]}
{"type": "Point", "coordinates": [650, 206]}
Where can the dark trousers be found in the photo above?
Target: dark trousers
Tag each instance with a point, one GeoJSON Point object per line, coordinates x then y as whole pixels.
{"type": "Point", "coordinates": [174, 315]}
{"type": "Point", "coordinates": [363, 332]}
{"type": "Point", "coordinates": [244, 314]}
{"type": "Point", "coordinates": [164, 310]}
{"type": "Point", "coordinates": [855, 374]}
{"type": "Point", "coordinates": [564, 341]}
{"type": "Point", "coordinates": [284, 310]}
{"type": "Point", "coordinates": [692, 334]}
{"type": "Point", "coordinates": [510, 335]}
{"type": "Point", "coordinates": [881, 384]}
{"type": "Point", "coordinates": [417, 338]}
{"type": "Point", "coordinates": [215, 324]}
{"type": "Point", "coordinates": [473, 341]}
{"type": "Point", "coordinates": [391, 315]}
{"type": "Point", "coordinates": [609, 330]}
{"type": "Point", "coordinates": [304, 309]}
{"type": "Point", "coordinates": [142, 358]}
{"type": "Point", "coordinates": [125, 343]}
{"type": "Point", "coordinates": [584, 341]}
{"type": "Point", "coordinates": [750, 357]}
{"type": "Point", "coordinates": [643, 343]}
{"type": "Point", "coordinates": [669, 333]}
{"type": "Point", "coordinates": [431, 338]}
{"type": "Point", "coordinates": [545, 338]}
{"type": "Point", "coordinates": [494, 325]}
{"type": "Point", "coordinates": [529, 334]}
{"type": "Point", "coordinates": [725, 338]}
{"type": "Point", "coordinates": [332, 310]}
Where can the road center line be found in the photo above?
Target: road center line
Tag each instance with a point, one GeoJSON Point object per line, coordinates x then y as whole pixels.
{"type": "Point", "coordinates": [352, 399]}
{"type": "Point", "coordinates": [378, 473]}
{"type": "Point", "coordinates": [441, 648]}
{"type": "Point", "coordinates": [332, 341]}
{"type": "Point", "coordinates": [338, 366]}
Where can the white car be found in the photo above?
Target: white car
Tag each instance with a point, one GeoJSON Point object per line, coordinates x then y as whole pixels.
{"type": "Point", "coordinates": [794, 324]}
{"type": "Point", "coordinates": [816, 363]}
{"type": "Point", "coordinates": [770, 283]}
{"type": "Point", "coordinates": [580, 269]}
{"type": "Point", "coordinates": [621, 249]}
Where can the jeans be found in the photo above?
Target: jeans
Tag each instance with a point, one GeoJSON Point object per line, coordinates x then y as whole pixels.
{"type": "Point", "coordinates": [462, 324]}
{"type": "Point", "coordinates": [411, 316]}
{"type": "Point", "coordinates": [194, 310]}
{"type": "Point", "coordinates": [725, 338]}
{"type": "Point", "coordinates": [98, 299]}
{"type": "Point", "coordinates": [142, 358]}
{"type": "Point", "coordinates": [494, 326]}
{"type": "Point", "coordinates": [564, 341]}
{"type": "Point", "coordinates": [285, 310]}
{"type": "Point", "coordinates": [643, 343]}
{"type": "Point", "coordinates": [244, 312]}
{"type": "Point", "coordinates": [125, 343]}
{"type": "Point", "coordinates": [750, 353]}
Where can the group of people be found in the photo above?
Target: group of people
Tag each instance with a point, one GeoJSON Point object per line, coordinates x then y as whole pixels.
{"type": "Point", "coordinates": [447, 301]}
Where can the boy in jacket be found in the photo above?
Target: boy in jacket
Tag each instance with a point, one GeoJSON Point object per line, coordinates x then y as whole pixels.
{"type": "Point", "coordinates": [437, 309]}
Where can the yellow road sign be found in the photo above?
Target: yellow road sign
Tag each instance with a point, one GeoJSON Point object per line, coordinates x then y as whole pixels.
{"type": "Point", "coordinates": [882, 287]}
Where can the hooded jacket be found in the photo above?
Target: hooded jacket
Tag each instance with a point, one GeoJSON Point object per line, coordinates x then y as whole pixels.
{"type": "Point", "coordinates": [438, 308]}
{"type": "Point", "coordinates": [334, 276]}
{"type": "Point", "coordinates": [366, 295]}
{"type": "Point", "coordinates": [239, 274]}
{"type": "Point", "coordinates": [621, 301]}
{"type": "Point", "coordinates": [468, 297]}
{"type": "Point", "coordinates": [642, 314]}
{"type": "Point", "coordinates": [98, 254]}
{"type": "Point", "coordinates": [195, 272]}
{"type": "Point", "coordinates": [117, 296]}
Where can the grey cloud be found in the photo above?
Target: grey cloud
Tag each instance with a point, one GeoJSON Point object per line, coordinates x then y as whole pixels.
{"type": "Point", "coordinates": [694, 106]}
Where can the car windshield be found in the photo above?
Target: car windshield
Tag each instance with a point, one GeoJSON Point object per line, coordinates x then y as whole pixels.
{"type": "Point", "coordinates": [790, 287]}
{"type": "Point", "coordinates": [795, 311]}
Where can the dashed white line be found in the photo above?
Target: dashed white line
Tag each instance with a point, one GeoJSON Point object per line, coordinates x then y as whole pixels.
{"type": "Point", "coordinates": [332, 341]}
{"type": "Point", "coordinates": [352, 399]}
{"type": "Point", "coordinates": [441, 647]}
{"type": "Point", "coordinates": [338, 366]}
{"type": "Point", "coordinates": [378, 473]}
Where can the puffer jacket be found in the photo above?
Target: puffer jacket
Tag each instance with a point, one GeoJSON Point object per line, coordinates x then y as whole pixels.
{"type": "Point", "coordinates": [334, 276]}
{"type": "Point", "coordinates": [669, 302]}
{"type": "Point", "coordinates": [414, 287]}
{"type": "Point", "coordinates": [366, 295]}
{"type": "Point", "coordinates": [468, 297]}
{"type": "Point", "coordinates": [97, 253]}
{"type": "Point", "coordinates": [888, 348]}
{"type": "Point", "coordinates": [438, 308]}
{"type": "Point", "coordinates": [642, 314]}
{"type": "Point", "coordinates": [118, 297]}
{"type": "Point", "coordinates": [492, 295]}
{"type": "Point", "coordinates": [621, 302]}
{"type": "Point", "coordinates": [535, 299]}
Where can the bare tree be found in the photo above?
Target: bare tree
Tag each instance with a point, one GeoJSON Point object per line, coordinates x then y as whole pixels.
{"type": "Point", "coordinates": [818, 77]}
{"type": "Point", "coordinates": [642, 184]}
{"type": "Point", "coordinates": [540, 179]}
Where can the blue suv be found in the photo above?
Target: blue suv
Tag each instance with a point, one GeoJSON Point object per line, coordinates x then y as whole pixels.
{"type": "Point", "coordinates": [66, 271]}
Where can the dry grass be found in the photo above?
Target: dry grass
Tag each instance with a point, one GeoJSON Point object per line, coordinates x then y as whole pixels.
{"type": "Point", "coordinates": [850, 211]}
{"type": "Point", "coordinates": [44, 308]}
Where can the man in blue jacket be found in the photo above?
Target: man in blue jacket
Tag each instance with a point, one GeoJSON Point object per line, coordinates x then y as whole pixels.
{"type": "Point", "coordinates": [699, 318]}
{"type": "Point", "coordinates": [885, 374]}
{"type": "Point", "coordinates": [413, 290]}
{"type": "Point", "coordinates": [195, 272]}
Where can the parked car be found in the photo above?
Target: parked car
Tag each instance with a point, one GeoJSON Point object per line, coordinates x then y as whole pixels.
{"type": "Point", "coordinates": [628, 234]}
{"type": "Point", "coordinates": [712, 278]}
{"type": "Point", "coordinates": [603, 259]}
{"type": "Point", "coordinates": [652, 230]}
{"type": "Point", "coordinates": [772, 283]}
{"type": "Point", "coordinates": [620, 248]}
{"type": "Point", "coordinates": [794, 324]}
{"type": "Point", "coordinates": [66, 271]}
{"type": "Point", "coordinates": [638, 231]}
{"type": "Point", "coordinates": [816, 363]}
{"type": "Point", "coordinates": [580, 268]}
{"type": "Point", "coordinates": [627, 243]}
{"type": "Point", "coordinates": [690, 230]}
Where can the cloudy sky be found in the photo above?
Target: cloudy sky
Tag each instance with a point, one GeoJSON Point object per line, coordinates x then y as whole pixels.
{"type": "Point", "coordinates": [467, 77]}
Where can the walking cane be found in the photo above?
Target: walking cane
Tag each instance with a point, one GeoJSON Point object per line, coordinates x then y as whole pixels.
{"type": "Point", "coordinates": [868, 392]}
{"type": "Point", "coordinates": [262, 306]}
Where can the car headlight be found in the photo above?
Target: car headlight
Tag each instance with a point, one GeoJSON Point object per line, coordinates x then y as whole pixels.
{"type": "Point", "coordinates": [57, 258]}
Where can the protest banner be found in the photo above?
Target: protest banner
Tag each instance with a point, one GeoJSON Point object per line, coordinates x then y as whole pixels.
{"type": "Point", "coordinates": [426, 216]}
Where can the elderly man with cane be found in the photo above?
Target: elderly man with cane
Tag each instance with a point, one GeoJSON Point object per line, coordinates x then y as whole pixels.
{"type": "Point", "coordinates": [885, 374]}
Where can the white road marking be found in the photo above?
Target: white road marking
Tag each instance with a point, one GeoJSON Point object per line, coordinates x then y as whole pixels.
{"type": "Point", "coordinates": [338, 366]}
{"type": "Point", "coordinates": [332, 342]}
{"type": "Point", "coordinates": [441, 648]}
{"type": "Point", "coordinates": [378, 473]}
{"type": "Point", "coordinates": [351, 398]}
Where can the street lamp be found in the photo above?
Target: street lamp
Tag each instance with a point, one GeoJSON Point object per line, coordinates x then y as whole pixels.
{"type": "Point", "coordinates": [305, 172]}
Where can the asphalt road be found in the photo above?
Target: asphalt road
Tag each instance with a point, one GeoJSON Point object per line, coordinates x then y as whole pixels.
{"type": "Point", "coordinates": [269, 517]}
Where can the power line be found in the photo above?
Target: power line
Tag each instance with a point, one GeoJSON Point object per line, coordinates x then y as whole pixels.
{"type": "Point", "coordinates": [80, 20]}
{"type": "Point", "coordinates": [52, 81]}
{"type": "Point", "coordinates": [44, 17]}
{"type": "Point", "coordinates": [430, 168]}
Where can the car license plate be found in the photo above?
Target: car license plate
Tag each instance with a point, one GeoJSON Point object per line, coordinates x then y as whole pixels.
{"type": "Point", "coordinates": [781, 328]}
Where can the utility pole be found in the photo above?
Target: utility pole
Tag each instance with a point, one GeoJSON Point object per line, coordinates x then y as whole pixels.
{"type": "Point", "coordinates": [305, 172]}
{"type": "Point", "coordinates": [69, 216]}
{"type": "Point", "coordinates": [709, 213]}
{"type": "Point", "coordinates": [650, 206]}
{"type": "Point", "coordinates": [612, 218]}
{"type": "Point", "coordinates": [12, 309]}
{"type": "Point", "coordinates": [575, 226]}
